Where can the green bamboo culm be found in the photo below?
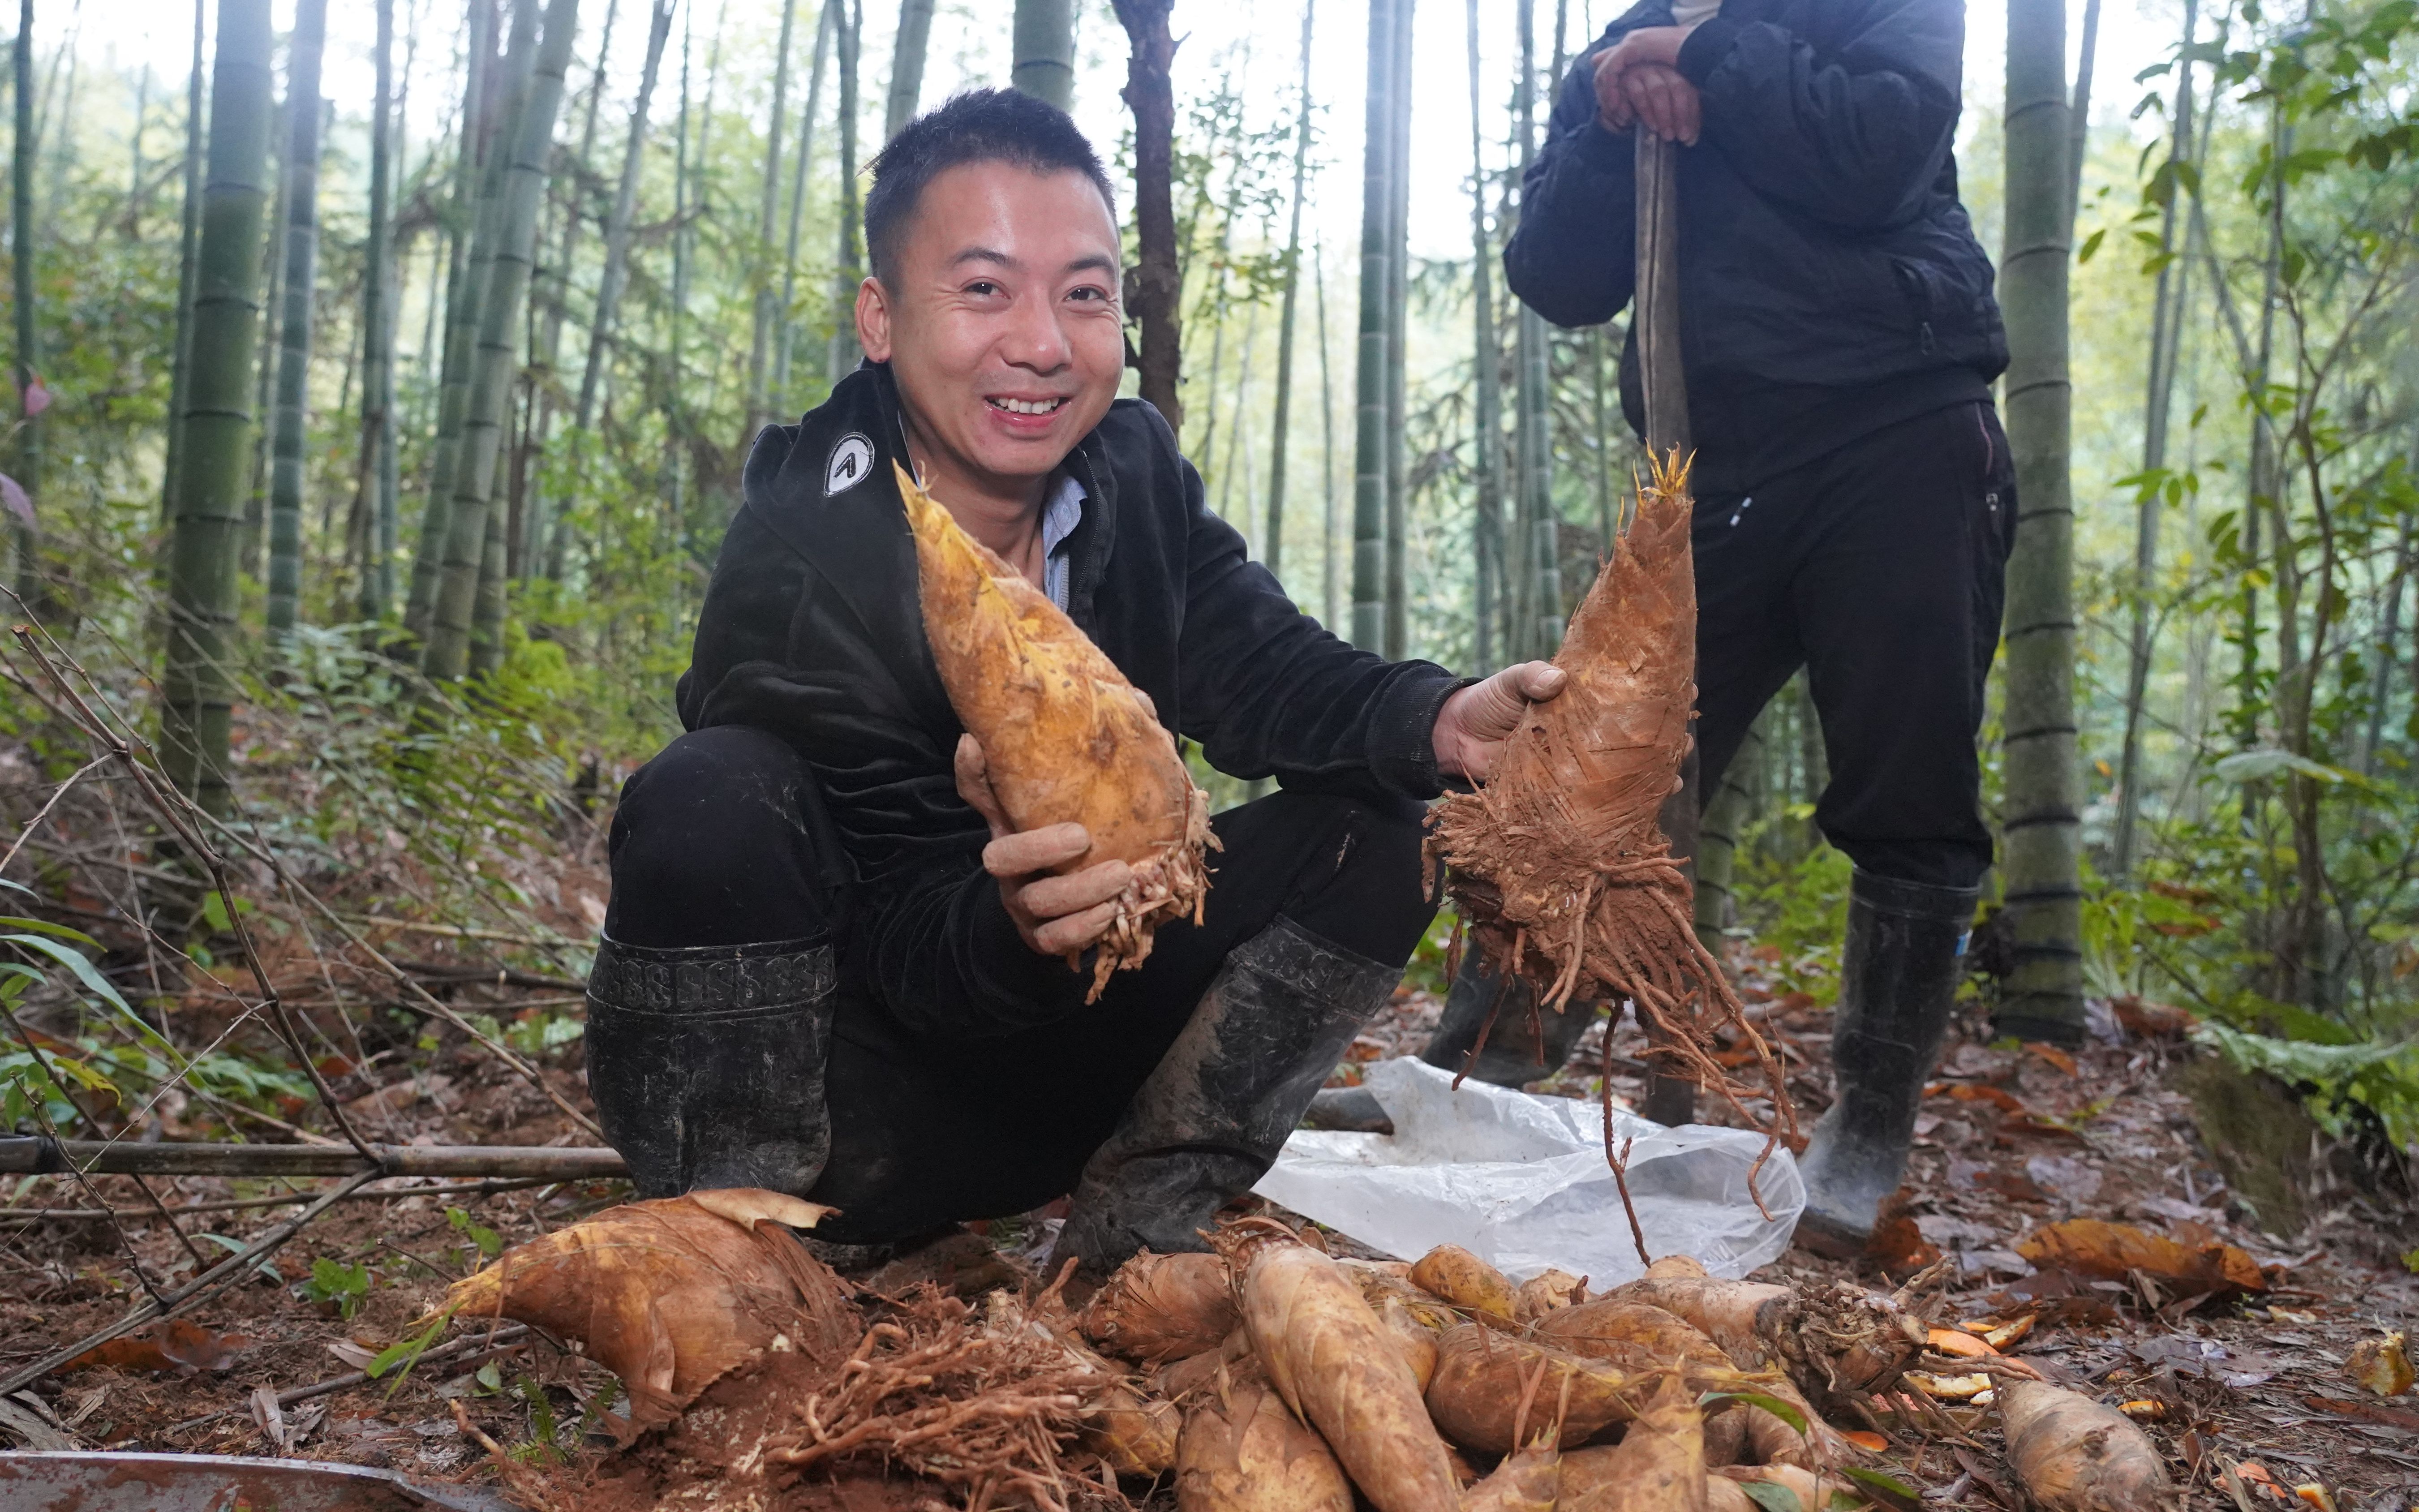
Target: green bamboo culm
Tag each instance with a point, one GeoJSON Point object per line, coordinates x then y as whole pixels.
{"type": "Point", "coordinates": [1369, 378]}
{"type": "Point", "coordinates": [2043, 998]}
{"type": "Point", "coordinates": [289, 440]}
{"type": "Point", "coordinates": [215, 476]}
{"type": "Point", "coordinates": [190, 234]}
{"type": "Point", "coordinates": [475, 189]}
{"type": "Point", "coordinates": [1044, 42]}
{"type": "Point", "coordinates": [378, 464]}
{"type": "Point", "coordinates": [27, 463]}
{"type": "Point", "coordinates": [448, 654]}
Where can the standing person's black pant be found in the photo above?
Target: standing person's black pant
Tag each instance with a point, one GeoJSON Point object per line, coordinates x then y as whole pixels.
{"type": "Point", "coordinates": [1879, 568]}
{"type": "Point", "coordinates": [719, 842]}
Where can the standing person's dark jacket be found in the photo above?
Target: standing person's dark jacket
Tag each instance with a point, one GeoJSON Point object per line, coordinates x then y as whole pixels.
{"type": "Point", "coordinates": [1830, 284]}
{"type": "Point", "coordinates": [812, 630]}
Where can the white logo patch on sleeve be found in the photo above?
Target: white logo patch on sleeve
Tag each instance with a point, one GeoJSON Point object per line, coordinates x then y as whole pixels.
{"type": "Point", "coordinates": [852, 458]}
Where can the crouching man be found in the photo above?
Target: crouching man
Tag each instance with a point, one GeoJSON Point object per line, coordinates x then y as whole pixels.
{"type": "Point", "coordinates": [824, 970]}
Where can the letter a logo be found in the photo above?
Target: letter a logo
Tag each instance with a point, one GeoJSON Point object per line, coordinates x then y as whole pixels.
{"type": "Point", "coordinates": [850, 460]}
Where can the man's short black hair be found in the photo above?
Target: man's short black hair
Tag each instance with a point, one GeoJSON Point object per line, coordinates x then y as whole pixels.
{"type": "Point", "coordinates": [979, 126]}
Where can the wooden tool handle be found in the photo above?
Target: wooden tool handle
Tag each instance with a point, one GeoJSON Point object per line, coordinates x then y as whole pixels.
{"type": "Point", "coordinates": [1659, 294]}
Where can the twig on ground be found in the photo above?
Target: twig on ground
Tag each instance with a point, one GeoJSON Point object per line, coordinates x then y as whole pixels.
{"type": "Point", "coordinates": [473, 1189]}
{"type": "Point", "coordinates": [481, 1347]}
{"type": "Point", "coordinates": [226, 1273]}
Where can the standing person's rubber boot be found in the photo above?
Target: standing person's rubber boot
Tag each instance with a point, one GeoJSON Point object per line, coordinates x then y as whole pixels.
{"type": "Point", "coordinates": [1511, 1057]}
{"type": "Point", "coordinates": [706, 1063]}
{"type": "Point", "coordinates": [1898, 981]}
{"type": "Point", "coordinates": [1211, 1116]}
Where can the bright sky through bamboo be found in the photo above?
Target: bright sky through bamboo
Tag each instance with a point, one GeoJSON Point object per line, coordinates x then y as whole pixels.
{"type": "Point", "coordinates": [967, 50]}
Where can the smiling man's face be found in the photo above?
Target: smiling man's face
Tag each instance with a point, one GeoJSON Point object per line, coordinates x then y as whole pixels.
{"type": "Point", "coordinates": [1000, 322]}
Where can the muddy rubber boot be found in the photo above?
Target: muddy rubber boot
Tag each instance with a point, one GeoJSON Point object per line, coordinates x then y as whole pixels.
{"type": "Point", "coordinates": [1211, 1116]}
{"type": "Point", "coordinates": [706, 1063]}
{"type": "Point", "coordinates": [1898, 979]}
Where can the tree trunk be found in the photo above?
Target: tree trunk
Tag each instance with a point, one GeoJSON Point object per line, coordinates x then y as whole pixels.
{"type": "Point", "coordinates": [198, 687]}
{"type": "Point", "coordinates": [28, 459]}
{"type": "Point", "coordinates": [1044, 42]}
{"type": "Point", "coordinates": [378, 298]}
{"type": "Point", "coordinates": [825, 24]}
{"type": "Point", "coordinates": [546, 393]}
{"type": "Point", "coordinates": [1716, 862]}
{"type": "Point", "coordinates": [2078, 117]}
{"type": "Point", "coordinates": [1369, 509]}
{"type": "Point", "coordinates": [2042, 996]}
{"type": "Point", "coordinates": [190, 239]}
{"type": "Point", "coordinates": [768, 207]}
{"type": "Point", "coordinates": [466, 281]}
{"type": "Point", "coordinates": [1274, 551]}
{"type": "Point", "coordinates": [256, 503]}
{"type": "Point", "coordinates": [615, 275]}
{"type": "Point", "coordinates": [849, 268]}
{"type": "Point", "coordinates": [617, 227]}
{"type": "Point", "coordinates": [1398, 258]}
{"type": "Point", "coordinates": [2167, 305]}
{"type": "Point", "coordinates": [1486, 361]}
{"type": "Point", "coordinates": [1533, 403]}
{"type": "Point", "coordinates": [1155, 286]}
{"type": "Point", "coordinates": [449, 632]}
{"type": "Point", "coordinates": [907, 65]}
{"type": "Point", "coordinates": [287, 452]}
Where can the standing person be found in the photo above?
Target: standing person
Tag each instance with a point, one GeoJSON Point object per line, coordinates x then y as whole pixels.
{"type": "Point", "coordinates": [1856, 502]}
{"type": "Point", "coordinates": [829, 965]}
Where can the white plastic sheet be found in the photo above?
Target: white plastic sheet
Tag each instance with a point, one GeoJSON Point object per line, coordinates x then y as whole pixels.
{"type": "Point", "coordinates": [1522, 1181]}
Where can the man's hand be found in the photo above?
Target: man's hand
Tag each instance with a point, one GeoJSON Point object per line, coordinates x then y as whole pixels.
{"type": "Point", "coordinates": [1057, 914]}
{"type": "Point", "coordinates": [1474, 724]}
{"type": "Point", "coordinates": [1638, 79]}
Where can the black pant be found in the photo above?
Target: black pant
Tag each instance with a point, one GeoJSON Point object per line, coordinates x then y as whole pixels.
{"type": "Point", "coordinates": [719, 841]}
{"type": "Point", "coordinates": [1880, 570]}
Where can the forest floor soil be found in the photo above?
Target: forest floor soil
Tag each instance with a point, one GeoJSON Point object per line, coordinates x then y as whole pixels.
{"type": "Point", "coordinates": [2247, 1394]}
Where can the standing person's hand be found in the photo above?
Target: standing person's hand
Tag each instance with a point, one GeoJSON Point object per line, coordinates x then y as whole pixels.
{"type": "Point", "coordinates": [1638, 79]}
{"type": "Point", "coordinates": [1476, 720]}
{"type": "Point", "coordinates": [1057, 914]}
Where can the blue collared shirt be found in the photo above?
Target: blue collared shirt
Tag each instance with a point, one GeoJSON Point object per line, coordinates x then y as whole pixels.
{"type": "Point", "coordinates": [1060, 514]}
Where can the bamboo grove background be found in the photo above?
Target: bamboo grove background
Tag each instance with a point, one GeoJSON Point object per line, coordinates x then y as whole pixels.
{"type": "Point", "coordinates": [374, 449]}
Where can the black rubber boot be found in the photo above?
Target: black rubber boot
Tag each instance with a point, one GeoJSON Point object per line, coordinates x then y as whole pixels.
{"type": "Point", "coordinates": [1515, 1053]}
{"type": "Point", "coordinates": [1898, 979]}
{"type": "Point", "coordinates": [1211, 1116]}
{"type": "Point", "coordinates": [706, 1064]}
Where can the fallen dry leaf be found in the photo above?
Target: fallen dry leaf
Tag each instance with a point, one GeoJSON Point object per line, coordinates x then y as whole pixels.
{"type": "Point", "coordinates": [1898, 1246]}
{"type": "Point", "coordinates": [2114, 1251]}
{"type": "Point", "coordinates": [2317, 1496]}
{"type": "Point", "coordinates": [2381, 1364]}
{"type": "Point", "coordinates": [2053, 1054]}
{"type": "Point", "coordinates": [179, 1345]}
{"type": "Point", "coordinates": [2392, 1417]}
{"type": "Point", "coordinates": [1872, 1443]}
{"type": "Point", "coordinates": [2144, 1409]}
{"type": "Point", "coordinates": [2153, 1021]}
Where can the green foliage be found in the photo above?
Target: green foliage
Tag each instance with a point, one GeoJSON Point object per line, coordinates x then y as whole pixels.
{"type": "Point", "coordinates": [1799, 911]}
{"type": "Point", "coordinates": [339, 1285]}
{"type": "Point", "coordinates": [487, 1240]}
{"type": "Point", "coordinates": [2381, 1075]}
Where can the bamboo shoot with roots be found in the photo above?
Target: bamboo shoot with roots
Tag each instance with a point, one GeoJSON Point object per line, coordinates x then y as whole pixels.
{"type": "Point", "coordinates": [1064, 736]}
{"type": "Point", "coordinates": [670, 1294]}
{"type": "Point", "coordinates": [1558, 862]}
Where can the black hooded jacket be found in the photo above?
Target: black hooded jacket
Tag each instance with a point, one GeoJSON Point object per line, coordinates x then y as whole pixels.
{"type": "Point", "coordinates": [1830, 284]}
{"type": "Point", "coordinates": [811, 629]}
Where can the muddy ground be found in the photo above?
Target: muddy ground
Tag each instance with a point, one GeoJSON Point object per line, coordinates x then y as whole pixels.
{"type": "Point", "coordinates": [2137, 1127]}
